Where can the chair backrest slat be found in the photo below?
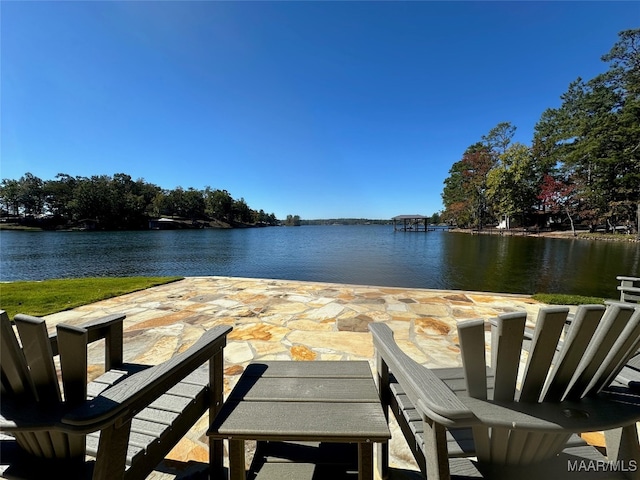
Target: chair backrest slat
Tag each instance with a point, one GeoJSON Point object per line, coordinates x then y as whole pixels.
{"type": "Point", "coordinates": [72, 345]}
{"type": "Point", "coordinates": [623, 349]}
{"type": "Point", "coordinates": [509, 333]}
{"type": "Point", "coordinates": [472, 350]}
{"type": "Point", "coordinates": [609, 330]}
{"type": "Point", "coordinates": [37, 351]}
{"type": "Point", "coordinates": [549, 326]}
{"type": "Point", "coordinates": [583, 326]}
{"type": "Point", "coordinates": [16, 379]}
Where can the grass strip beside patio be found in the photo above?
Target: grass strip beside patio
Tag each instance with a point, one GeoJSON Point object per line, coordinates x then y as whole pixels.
{"type": "Point", "coordinates": [51, 296]}
{"type": "Point", "coordinates": [566, 299]}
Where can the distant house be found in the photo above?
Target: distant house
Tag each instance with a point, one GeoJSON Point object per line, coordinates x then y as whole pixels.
{"type": "Point", "coordinates": [163, 224]}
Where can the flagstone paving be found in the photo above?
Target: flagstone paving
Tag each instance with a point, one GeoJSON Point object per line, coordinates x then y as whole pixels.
{"type": "Point", "coordinates": [290, 320]}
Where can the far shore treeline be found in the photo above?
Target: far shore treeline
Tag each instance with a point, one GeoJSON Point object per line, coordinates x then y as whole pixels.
{"type": "Point", "coordinates": [111, 203]}
{"type": "Point", "coordinates": [583, 166]}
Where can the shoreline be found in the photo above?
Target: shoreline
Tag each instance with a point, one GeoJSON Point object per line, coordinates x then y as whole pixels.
{"type": "Point", "coordinates": [580, 235]}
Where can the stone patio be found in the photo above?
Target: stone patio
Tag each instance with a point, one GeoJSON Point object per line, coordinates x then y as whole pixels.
{"type": "Point", "coordinates": [289, 320]}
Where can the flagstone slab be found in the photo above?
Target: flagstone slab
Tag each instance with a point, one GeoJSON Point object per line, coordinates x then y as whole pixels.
{"type": "Point", "coordinates": [330, 310]}
{"type": "Point", "coordinates": [352, 343]}
{"type": "Point", "coordinates": [238, 352]}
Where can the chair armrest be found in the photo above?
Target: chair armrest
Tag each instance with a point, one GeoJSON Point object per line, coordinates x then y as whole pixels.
{"type": "Point", "coordinates": [108, 327]}
{"type": "Point", "coordinates": [428, 393]}
{"type": "Point", "coordinates": [100, 327]}
{"type": "Point", "coordinates": [125, 399]}
{"type": "Point", "coordinates": [602, 412]}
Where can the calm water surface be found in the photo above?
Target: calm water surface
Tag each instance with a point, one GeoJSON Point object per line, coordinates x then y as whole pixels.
{"type": "Point", "coordinates": [370, 255]}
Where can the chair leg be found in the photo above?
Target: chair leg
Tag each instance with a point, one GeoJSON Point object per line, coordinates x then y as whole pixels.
{"type": "Point", "coordinates": [216, 446]}
{"type": "Point", "coordinates": [382, 449]}
{"type": "Point", "coordinates": [436, 453]}
{"type": "Point", "coordinates": [112, 452]}
{"type": "Point", "coordinates": [623, 446]}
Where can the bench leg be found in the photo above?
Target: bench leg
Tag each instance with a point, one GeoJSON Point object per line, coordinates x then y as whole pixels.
{"type": "Point", "coordinates": [216, 454]}
{"type": "Point", "coordinates": [236, 460]}
{"type": "Point", "coordinates": [365, 461]}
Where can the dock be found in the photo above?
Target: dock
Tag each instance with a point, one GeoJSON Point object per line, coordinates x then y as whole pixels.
{"type": "Point", "coordinates": [411, 223]}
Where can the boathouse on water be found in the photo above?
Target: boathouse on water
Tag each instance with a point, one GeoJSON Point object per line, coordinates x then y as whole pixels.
{"type": "Point", "coordinates": [410, 223]}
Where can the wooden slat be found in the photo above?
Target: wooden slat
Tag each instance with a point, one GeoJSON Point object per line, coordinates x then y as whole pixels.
{"type": "Point", "coordinates": [159, 416]}
{"type": "Point", "coordinates": [326, 369]}
{"type": "Point", "coordinates": [347, 422]}
{"type": "Point", "coordinates": [630, 373]}
{"type": "Point", "coordinates": [583, 327]}
{"type": "Point", "coordinates": [170, 403]}
{"type": "Point", "coordinates": [37, 351]}
{"type": "Point", "coordinates": [620, 353]}
{"type": "Point", "coordinates": [472, 351]}
{"type": "Point", "coordinates": [464, 469]}
{"type": "Point", "coordinates": [150, 427]}
{"type": "Point", "coordinates": [111, 377]}
{"type": "Point", "coordinates": [282, 471]}
{"type": "Point", "coordinates": [308, 389]}
{"type": "Point", "coordinates": [16, 379]}
{"type": "Point", "coordinates": [146, 427]}
{"type": "Point", "coordinates": [474, 364]}
{"type": "Point", "coordinates": [609, 329]}
{"type": "Point", "coordinates": [549, 326]}
{"type": "Point", "coordinates": [72, 348]}
{"type": "Point", "coordinates": [508, 346]}
{"type": "Point", "coordinates": [515, 447]}
{"type": "Point", "coordinates": [186, 390]}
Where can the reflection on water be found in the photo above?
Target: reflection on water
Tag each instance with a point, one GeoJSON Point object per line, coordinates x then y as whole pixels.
{"type": "Point", "coordinates": [370, 255]}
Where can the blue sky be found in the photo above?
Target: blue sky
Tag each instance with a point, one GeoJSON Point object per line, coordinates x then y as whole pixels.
{"type": "Point", "coordinates": [320, 109]}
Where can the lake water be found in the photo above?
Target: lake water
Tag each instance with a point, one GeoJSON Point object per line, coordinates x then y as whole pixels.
{"type": "Point", "coordinates": [367, 254]}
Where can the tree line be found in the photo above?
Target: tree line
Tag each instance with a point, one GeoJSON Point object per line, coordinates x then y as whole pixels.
{"type": "Point", "coordinates": [583, 165]}
{"type": "Point", "coordinates": [118, 202]}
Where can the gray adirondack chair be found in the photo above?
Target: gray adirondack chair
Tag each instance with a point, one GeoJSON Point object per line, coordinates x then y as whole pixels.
{"type": "Point", "coordinates": [128, 419]}
{"type": "Point", "coordinates": [520, 427]}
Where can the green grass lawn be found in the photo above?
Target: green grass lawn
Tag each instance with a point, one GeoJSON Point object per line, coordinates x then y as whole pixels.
{"type": "Point", "coordinates": [564, 299]}
{"type": "Point", "coordinates": [52, 296]}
